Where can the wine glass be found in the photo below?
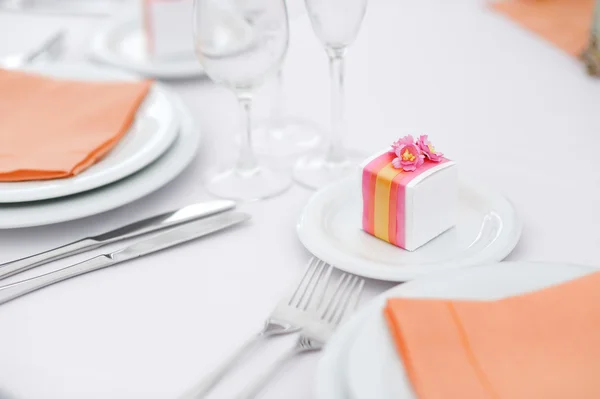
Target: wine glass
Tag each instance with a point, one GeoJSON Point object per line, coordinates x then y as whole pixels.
{"type": "Point", "coordinates": [240, 43]}
{"type": "Point", "coordinates": [287, 136]}
{"type": "Point", "coordinates": [336, 23]}
{"type": "Point", "coordinates": [283, 133]}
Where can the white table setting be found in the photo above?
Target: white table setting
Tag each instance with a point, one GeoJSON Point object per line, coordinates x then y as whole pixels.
{"type": "Point", "coordinates": [233, 225]}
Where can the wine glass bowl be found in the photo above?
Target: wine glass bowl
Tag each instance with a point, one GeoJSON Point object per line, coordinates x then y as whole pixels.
{"type": "Point", "coordinates": [239, 46]}
{"type": "Point", "coordinates": [336, 22]}
{"type": "Point", "coordinates": [240, 43]}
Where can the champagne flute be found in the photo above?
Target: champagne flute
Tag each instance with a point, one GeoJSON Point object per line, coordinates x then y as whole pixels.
{"type": "Point", "coordinates": [240, 43]}
{"type": "Point", "coordinates": [336, 23]}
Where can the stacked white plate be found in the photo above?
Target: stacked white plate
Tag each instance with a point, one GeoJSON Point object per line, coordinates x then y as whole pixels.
{"type": "Point", "coordinates": [122, 43]}
{"type": "Point", "coordinates": [159, 145]}
{"type": "Point", "coordinates": [361, 362]}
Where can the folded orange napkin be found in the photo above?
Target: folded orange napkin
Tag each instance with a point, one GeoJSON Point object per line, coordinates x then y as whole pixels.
{"type": "Point", "coordinates": [52, 128]}
{"type": "Point", "coordinates": [566, 23]}
{"type": "Point", "coordinates": [543, 345]}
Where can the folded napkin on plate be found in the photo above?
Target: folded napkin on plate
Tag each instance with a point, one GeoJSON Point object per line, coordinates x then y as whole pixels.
{"type": "Point", "coordinates": [565, 23]}
{"type": "Point", "coordinates": [52, 128]}
{"type": "Point", "coordinates": [540, 345]}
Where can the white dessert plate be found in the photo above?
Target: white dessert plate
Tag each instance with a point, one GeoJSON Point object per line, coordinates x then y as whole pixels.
{"type": "Point", "coordinates": [487, 230]}
{"type": "Point", "coordinates": [360, 361]}
{"type": "Point", "coordinates": [114, 195]}
{"type": "Point", "coordinates": [154, 130]}
{"type": "Point", "coordinates": [122, 44]}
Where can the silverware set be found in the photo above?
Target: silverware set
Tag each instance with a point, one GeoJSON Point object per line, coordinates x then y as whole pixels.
{"type": "Point", "coordinates": [315, 307]}
{"type": "Point", "coordinates": [185, 224]}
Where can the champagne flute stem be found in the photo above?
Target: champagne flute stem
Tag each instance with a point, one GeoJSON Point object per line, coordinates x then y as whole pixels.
{"type": "Point", "coordinates": [335, 153]}
{"type": "Point", "coordinates": [247, 162]}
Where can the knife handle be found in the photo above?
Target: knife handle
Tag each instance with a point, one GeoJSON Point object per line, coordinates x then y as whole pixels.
{"type": "Point", "coordinates": [15, 290]}
{"type": "Point", "coordinates": [20, 265]}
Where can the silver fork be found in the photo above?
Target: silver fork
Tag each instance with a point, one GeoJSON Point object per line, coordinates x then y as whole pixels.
{"type": "Point", "coordinates": [316, 333]}
{"type": "Point", "coordinates": [287, 317]}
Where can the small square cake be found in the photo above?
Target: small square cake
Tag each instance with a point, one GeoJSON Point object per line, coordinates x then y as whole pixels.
{"type": "Point", "coordinates": [409, 193]}
{"type": "Point", "coordinates": [168, 28]}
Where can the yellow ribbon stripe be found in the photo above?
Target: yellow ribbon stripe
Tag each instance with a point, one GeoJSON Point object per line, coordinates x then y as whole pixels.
{"type": "Point", "coordinates": [383, 185]}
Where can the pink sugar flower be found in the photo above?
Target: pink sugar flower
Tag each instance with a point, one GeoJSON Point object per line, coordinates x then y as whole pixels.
{"type": "Point", "coordinates": [406, 140]}
{"type": "Point", "coordinates": [428, 149]}
{"type": "Point", "coordinates": [408, 157]}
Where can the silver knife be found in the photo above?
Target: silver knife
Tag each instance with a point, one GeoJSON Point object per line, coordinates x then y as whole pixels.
{"type": "Point", "coordinates": [175, 236]}
{"type": "Point", "coordinates": [148, 225]}
{"type": "Point", "coordinates": [51, 46]}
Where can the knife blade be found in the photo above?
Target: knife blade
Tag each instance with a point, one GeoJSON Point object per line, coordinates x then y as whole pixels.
{"type": "Point", "coordinates": [51, 46]}
{"type": "Point", "coordinates": [177, 235]}
{"type": "Point", "coordinates": [144, 226]}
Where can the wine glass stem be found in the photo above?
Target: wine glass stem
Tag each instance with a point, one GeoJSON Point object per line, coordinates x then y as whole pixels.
{"type": "Point", "coordinates": [247, 162]}
{"type": "Point", "coordinates": [335, 153]}
{"type": "Point", "coordinates": [279, 100]}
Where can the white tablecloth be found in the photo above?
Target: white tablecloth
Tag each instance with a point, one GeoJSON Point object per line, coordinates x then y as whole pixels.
{"type": "Point", "coordinates": [516, 113]}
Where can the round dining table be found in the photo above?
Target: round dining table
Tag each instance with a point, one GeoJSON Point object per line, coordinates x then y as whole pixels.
{"type": "Point", "coordinates": [516, 114]}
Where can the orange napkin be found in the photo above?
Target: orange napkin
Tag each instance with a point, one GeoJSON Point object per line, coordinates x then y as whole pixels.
{"type": "Point", "coordinates": [52, 128]}
{"type": "Point", "coordinates": [566, 23]}
{"type": "Point", "coordinates": [543, 345]}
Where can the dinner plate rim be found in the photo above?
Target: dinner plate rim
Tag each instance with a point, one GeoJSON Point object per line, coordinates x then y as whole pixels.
{"type": "Point", "coordinates": [93, 178]}
{"type": "Point", "coordinates": [100, 51]}
{"type": "Point", "coordinates": [305, 228]}
{"type": "Point", "coordinates": [331, 366]}
{"type": "Point", "coordinates": [148, 180]}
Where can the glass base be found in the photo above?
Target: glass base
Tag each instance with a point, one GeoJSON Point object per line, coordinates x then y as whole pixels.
{"type": "Point", "coordinates": [289, 137]}
{"type": "Point", "coordinates": [315, 171]}
{"type": "Point", "coordinates": [253, 185]}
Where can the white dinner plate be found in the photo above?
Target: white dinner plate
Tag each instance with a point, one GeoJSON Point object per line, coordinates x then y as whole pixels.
{"type": "Point", "coordinates": [153, 131]}
{"type": "Point", "coordinates": [122, 43]}
{"type": "Point", "coordinates": [114, 195]}
{"type": "Point", "coordinates": [360, 361]}
{"type": "Point", "coordinates": [487, 230]}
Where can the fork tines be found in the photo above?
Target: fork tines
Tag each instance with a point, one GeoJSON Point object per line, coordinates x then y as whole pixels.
{"type": "Point", "coordinates": [314, 292]}
{"type": "Point", "coordinates": [343, 300]}
{"type": "Point", "coordinates": [315, 280]}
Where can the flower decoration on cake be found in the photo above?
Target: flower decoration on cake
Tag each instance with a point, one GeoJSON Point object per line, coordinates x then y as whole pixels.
{"type": "Point", "coordinates": [402, 141]}
{"type": "Point", "coordinates": [411, 154]}
{"type": "Point", "coordinates": [428, 149]}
